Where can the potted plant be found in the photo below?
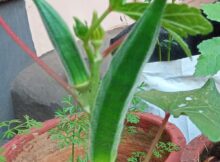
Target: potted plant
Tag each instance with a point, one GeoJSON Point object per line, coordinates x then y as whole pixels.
{"type": "Point", "coordinates": [105, 101]}
{"type": "Point", "coordinates": [202, 148]}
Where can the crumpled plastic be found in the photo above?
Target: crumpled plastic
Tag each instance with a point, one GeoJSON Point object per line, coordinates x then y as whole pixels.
{"type": "Point", "coordinates": [175, 76]}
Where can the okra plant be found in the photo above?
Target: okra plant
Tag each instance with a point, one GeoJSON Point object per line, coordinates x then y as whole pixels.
{"type": "Point", "coordinates": [100, 97]}
{"type": "Point", "coordinates": [105, 100]}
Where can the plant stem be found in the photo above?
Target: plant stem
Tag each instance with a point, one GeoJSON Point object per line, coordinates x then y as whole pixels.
{"type": "Point", "coordinates": [73, 152]}
{"type": "Point", "coordinates": [157, 137]}
{"type": "Point", "coordinates": [88, 51]}
{"type": "Point", "coordinates": [159, 50]}
{"type": "Point", "coordinates": [95, 79]}
{"type": "Point", "coordinates": [114, 46]}
{"type": "Point", "coordinates": [169, 47]}
{"type": "Point", "coordinates": [42, 64]}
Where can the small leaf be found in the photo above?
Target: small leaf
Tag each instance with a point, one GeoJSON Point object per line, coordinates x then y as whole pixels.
{"type": "Point", "coordinates": [209, 60]}
{"type": "Point", "coordinates": [80, 29]}
{"type": "Point", "coordinates": [212, 11]}
{"type": "Point", "coordinates": [131, 129]}
{"type": "Point", "coordinates": [202, 106]}
{"type": "Point", "coordinates": [132, 118]}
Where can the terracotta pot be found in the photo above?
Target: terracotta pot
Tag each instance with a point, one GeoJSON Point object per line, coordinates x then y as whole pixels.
{"type": "Point", "coordinates": [192, 151]}
{"type": "Point", "coordinates": [39, 148]}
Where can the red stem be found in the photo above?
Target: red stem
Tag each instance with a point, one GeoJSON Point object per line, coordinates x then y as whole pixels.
{"type": "Point", "coordinates": [115, 45]}
{"type": "Point", "coordinates": [157, 137]}
{"type": "Point", "coordinates": [33, 55]}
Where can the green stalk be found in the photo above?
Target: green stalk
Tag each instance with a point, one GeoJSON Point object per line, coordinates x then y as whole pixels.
{"type": "Point", "coordinates": [95, 60]}
{"type": "Point", "coordinates": [89, 52]}
{"type": "Point", "coordinates": [95, 80]}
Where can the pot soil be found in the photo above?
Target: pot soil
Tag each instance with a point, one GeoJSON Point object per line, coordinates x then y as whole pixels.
{"type": "Point", "coordinates": [37, 146]}
{"type": "Point", "coordinates": [200, 149]}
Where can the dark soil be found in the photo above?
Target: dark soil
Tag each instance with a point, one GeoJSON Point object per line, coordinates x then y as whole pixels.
{"type": "Point", "coordinates": [211, 154]}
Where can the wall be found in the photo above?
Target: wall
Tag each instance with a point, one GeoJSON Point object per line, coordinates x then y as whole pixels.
{"type": "Point", "coordinates": [12, 58]}
{"type": "Point", "coordinates": [82, 9]}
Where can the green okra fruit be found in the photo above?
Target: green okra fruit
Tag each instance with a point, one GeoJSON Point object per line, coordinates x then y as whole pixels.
{"type": "Point", "coordinates": [64, 44]}
{"type": "Point", "coordinates": [109, 112]}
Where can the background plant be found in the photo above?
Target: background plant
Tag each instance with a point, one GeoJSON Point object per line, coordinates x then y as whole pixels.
{"type": "Point", "coordinates": [138, 105]}
{"type": "Point", "coordinates": [72, 129]}
{"type": "Point", "coordinates": [161, 149]}
{"type": "Point", "coordinates": [137, 156]}
{"type": "Point", "coordinates": [16, 127]}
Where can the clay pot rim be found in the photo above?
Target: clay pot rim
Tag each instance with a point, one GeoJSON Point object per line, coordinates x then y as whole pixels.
{"type": "Point", "coordinates": [175, 134]}
{"type": "Point", "coordinates": [194, 149]}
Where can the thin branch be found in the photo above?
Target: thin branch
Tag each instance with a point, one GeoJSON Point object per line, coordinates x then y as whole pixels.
{"type": "Point", "coordinates": [157, 137]}
{"type": "Point", "coordinates": [114, 46]}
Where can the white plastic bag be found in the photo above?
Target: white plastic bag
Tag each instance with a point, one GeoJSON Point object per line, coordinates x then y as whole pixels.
{"type": "Point", "coordinates": [170, 77]}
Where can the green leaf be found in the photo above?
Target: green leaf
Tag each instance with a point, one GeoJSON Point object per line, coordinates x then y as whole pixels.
{"type": "Point", "coordinates": [212, 11]}
{"type": "Point", "coordinates": [185, 20]}
{"type": "Point", "coordinates": [179, 18]}
{"type": "Point", "coordinates": [133, 10]}
{"type": "Point", "coordinates": [202, 106]}
{"type": "Point", "coordinates": [209, 60]}
{"type": "Point", "coordinates": [64, 43]}
{"type": "Point", "coordinates": [115, 90]}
